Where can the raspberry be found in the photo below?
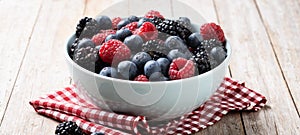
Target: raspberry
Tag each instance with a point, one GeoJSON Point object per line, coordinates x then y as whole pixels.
{"type": "Point", "coordinates": [132, 26]}
{"type": "Point", "coordinates": [115, 22]}
{"type": "Point", "coordinates": [181, 68]}
{"type": "Point", "coordinates": [153, 13]}
{"type": "Point", "coordinates": [141, 78]}
{"type": "Point", "coordinates": [212, 31]}
{"type": "Point", "coordinates": [100, 37]}
{"type": "Point", "coordinates": [114, 51]}
{"type": "Point", "coordinates": [147, 31]}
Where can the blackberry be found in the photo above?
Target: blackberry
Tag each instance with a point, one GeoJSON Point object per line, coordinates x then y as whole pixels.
{"type": "Point", "coordinates": [155, 45]}
{"type": "Point", "coordinates": [87, 57]}
{"type": "Point", "coordinates": [73, 47]}
{"type": "Point", "coordinates": [173, 28]}
{"type": "Point", "coordinates": [80, 26]}
{"type": "Point", "coordinates": [68, 128]}
{"type": "Point", "coordinates": [91, 28]}
{"type": "Point", "coordinates": [186, 25]}
{"type": "Point", "coordinates": [210, 44]}
{"type": "Point", "coordinates": [156, 55]}
{"type": "Point", "coordinates": [202, 60]}
{"type": "Point", "coordinates": [156, 21]}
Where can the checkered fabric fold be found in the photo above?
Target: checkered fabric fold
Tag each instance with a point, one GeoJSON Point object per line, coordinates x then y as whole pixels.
{"type": "Point", "coordinates": [65, 105]}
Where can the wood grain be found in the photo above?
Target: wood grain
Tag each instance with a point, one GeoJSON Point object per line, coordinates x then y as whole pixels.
{"type": "Point", "coordinates": [282, 21]}
{"type": "Point", "coordinates": [17, 21]}
{"type": "Point", "coordinates": [43, 69]}
{"type": "Point", "coordinates": [254, 61]}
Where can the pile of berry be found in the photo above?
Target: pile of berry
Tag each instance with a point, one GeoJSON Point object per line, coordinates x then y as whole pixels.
{"type": "Point", "coordinates": [71, 128]}
{"type": "Point", "coordinates": [149, 48]}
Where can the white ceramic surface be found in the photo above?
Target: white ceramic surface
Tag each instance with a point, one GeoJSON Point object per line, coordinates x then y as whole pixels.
{"type": "Point", "coordinates": [157, 101]}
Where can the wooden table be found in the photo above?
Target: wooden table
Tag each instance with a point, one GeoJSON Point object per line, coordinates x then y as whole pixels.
{"type": "Point", "coordinates": [264, 36]}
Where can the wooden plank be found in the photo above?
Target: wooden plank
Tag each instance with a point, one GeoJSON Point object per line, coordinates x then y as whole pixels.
{"type": "Point", "coordinates": [17, 20]}
{"type": "Point", "coordinates": [201, 12]}
{"type": "Point", "coordinates": [284, 37]}
{"type": "Point", "coordinates": [44, 68]}
{"type": "Point", "coordinates": [254, 61]}
{"type": "Point", "coordinates": [141, 7]}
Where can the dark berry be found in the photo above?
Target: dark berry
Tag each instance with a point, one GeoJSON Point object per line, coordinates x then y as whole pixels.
{"type": "Point", "coordinates": [91, 28]}
{"type": "Point", "coordinates": [134, 42]}
{"type": "Point", "coordinates": [175, 42]}
{"type": "Point", "coordinates": [194, 40]}
{"type": "Point", "coordinates": [201, 58]}
{"type": "Point", "coordinates": [173, 54]}
{"type": "Point", "coordinates": [80, 26]}
{"type": "Point", "coordinates": [97, 133]}
{"type": "Point", "coordinates": [173, 28]}
{"type": "Point", "coordinates": [186, 22]}
{"type": "Point", "coordinates": [109, 72]}
{"type": "Point", "coordinates": [85, 43]}
{"type": "Point", "coordinates": [140, 59]}
{"type": "Point", "coordinates": [111, 36]}
{"type": "Point", "coordinates": [127, 70]}
{"type": "Point", "coordinates": [68, 128]}
{"type": "Point", "coordinates": [164, 64]}
{"type": "Point", "coordinates": [133, 18]}
{"type": "Point", "coordinates": [155, 45]}
{"type": "Point", "coordinates": [156, 55]}
{"type": "Point", "coordinates": [151, 67]}
{"type": "Point", "coordinates": [218, 54]}
{"type": "Point", "coordinates": [211, 43]}
{"type": "Point", "coordinates": [104, 22]}
{"type": "Point", "coordinates": [123, 33]}
{"type": "Point", "coordinates": [122, 23]}
{"type": "Point", "coordinates": [142, 20]}
{"type": "Point", "coordinates": [157, 76]}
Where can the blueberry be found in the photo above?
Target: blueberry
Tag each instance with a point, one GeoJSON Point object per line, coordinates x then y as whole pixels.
{"type": "Point", "coordinates": [164, 64]}
{"type": "Point", "coordinates": [142, 20]}
{"type": "Point", "coordinates": [185, 19]}
{"type": "Point", "coordinates": [111, 36]}
{"type": "Point", "coordinates": [133, 18]}
{"type": "Point", "coordinates": [123, 33]}
{"type": "Point", "coordinates": [127, 70]}
{"type": "Point", "coordinates": [109, 72]}
{"type": "Point", "coordinates": [195, 40]}
{"type": "Point", "coordinates": [157, 76]}
{"type": "Point", "coordinates": [122, 23]}
{"type": "Point", "coordinates": [151, 67]}
{"type": "Point", "coordinates": [85, 43]}
{"type": "Point", "coordinates": [175, 42]}
{"type": "Point", "coordinates": [218, 53]}
{"type": "Point", "coordinates": [175, 53]}
{"type": "Point", "coordinates": [134, 42]}
{"type": "Point", "coordinates": [140, 59]}
{"type": "Point", "coordinates": [104, 21]}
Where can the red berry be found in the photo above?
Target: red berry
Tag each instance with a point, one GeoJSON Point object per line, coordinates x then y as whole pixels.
{"type": "Point", "coordinates": [147, 31]}
{"type": "Point", "coordinates": [132, 26]}
{"type": "Point", "coordinates": [141, 78]}
{"type": "Point", "coordinates": [212, 30]}
{"type": "Point", "coordinates": [114, 51]}
{"type": "Point", "coordinates": [115, 22]}
{"type": "Point", "coordinates": [153, 13]}
{"type": "Point", "coordinates": [100, 37]}
{"type": "Point", "coordinates": [181, 68]}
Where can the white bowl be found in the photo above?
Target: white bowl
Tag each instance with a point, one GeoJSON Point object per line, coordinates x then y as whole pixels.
{"type": "Point", "coordinates": [157, 101]}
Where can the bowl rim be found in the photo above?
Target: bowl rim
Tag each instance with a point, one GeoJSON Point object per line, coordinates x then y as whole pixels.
{"type": "Point", "coordinates": [68, 58]}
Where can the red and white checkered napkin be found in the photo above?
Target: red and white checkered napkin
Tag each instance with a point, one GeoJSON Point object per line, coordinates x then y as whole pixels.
{"type": "Point", "coordinates": [66, 105]}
